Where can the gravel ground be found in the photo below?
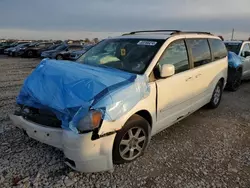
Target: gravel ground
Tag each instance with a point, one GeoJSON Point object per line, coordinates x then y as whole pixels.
{"type": "Point", "coordinates": [208, 149]}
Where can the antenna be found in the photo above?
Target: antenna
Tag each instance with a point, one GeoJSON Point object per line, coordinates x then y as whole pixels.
{"type": "Point", "coordinates": [232, 38]}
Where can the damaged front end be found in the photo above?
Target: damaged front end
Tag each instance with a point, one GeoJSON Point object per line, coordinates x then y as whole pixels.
{"type": "Point", "coordinates": [39, 116]}
{"type": "Point", "coordinates": [78, 97]}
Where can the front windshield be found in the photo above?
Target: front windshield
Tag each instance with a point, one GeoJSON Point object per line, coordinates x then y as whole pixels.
{"type": "Point", "coordinates": [233, 46]}
{"type": "Point", "coordinates": [131, 55]}
{"type": "Point", "coordinates": [32, 44]}
{"type": "Point", "coordinates": [13, 44]}
{"type": "Point", "coordinates": [61, 47]}
{"type": "Point", "coordinates": [53, 46]}
{"type": "Point", "coordinates": [22, 45]}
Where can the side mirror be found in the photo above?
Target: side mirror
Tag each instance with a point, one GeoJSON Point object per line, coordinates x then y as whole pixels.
{"type": "Point", "coordinates": [167, 70]}
{"type": "Point", "coordinates": [246, 54]}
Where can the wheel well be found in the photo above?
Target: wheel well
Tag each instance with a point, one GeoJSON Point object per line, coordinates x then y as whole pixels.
{"type": "Point", "coordinates": [146, 115]}
{"type": "Point", "coordinates": [240, 69]}
{"type": "Point", "coordinates": [222, 80]}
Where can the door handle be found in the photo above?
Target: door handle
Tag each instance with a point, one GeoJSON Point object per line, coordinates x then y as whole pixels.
{"type": "Point", "coordinates": [198, 75]}
{"type": "Point", "coordinates": [189, 78]}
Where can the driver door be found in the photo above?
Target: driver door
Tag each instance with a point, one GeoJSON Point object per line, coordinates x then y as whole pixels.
{"type": "Point", "coordinates": [174, 92]}
{"type": "Point", "coordinates": [245, 60]}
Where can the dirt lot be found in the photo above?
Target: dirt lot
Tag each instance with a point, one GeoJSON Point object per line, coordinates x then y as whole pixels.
{"type": "Point", "coordinates": [211, 148]}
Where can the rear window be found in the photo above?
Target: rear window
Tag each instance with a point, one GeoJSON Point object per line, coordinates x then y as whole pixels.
{"type": "Point", "coordinates": [233, 46]}
{"type": "Point", "coordinates": [200, 51]}
{"type": "Point", "coordinates": [218, 49]}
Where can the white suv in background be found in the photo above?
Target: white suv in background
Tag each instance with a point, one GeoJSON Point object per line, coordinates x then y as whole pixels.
{"type": "Point", "coordinates": [184, 71]}
{"type": "Point", "coordinates": [242, 49]}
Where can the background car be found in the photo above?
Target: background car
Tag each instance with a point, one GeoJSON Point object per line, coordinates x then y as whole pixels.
{"type": "Point", "coordinates": [12, 46]}
{"type": "Point", "coordinates": [53, 53]}
{"type": "Point", "coordinates": [74, 55]}
{"type": "Point", "coordinates": [234, 72]}
{"type": "Point", "coordinates": [5, 45]}
{"type": "Point", "coordinates": [35, 51]}
{"type": "Point", "coordinates": [242, 49]}
{"type": "Point", "coordinates": [66, 54]}
{"type": "Point", "coordinates": [18, 49]}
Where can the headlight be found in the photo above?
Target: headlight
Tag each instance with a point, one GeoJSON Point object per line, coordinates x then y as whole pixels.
{"type": "Point", "coordinates": [90, 122]}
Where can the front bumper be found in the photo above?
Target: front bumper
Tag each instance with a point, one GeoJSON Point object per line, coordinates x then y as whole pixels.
{"type": "Point", "coordinates": [81, 153]}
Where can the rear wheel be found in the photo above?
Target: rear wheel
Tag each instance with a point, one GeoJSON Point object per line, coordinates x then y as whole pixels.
{"type": "Point", "coordinates": [131, 140]}
{"type": "Point", "coordinates": [216, 97]}
{"type": "Point", "coordinates": [235, 81]}
{"type": "Point", "coordinates": [30, 53]}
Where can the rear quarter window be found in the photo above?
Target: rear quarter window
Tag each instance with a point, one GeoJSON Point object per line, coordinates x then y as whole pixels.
{"type": "Point", "coordinates": [200, 51]}
{"type": "Point", "coordinates": [218, 49]}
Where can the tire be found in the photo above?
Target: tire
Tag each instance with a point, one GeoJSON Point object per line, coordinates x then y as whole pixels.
{"type": "Point", "coordinates": [30, 53]}
{"type": "Point", "coordinates": [13, 54]}
{"type": "Point", "coordinates": [127, 145]}
{"type": "Point", "coordinates": [59, 57]}
{"type": "Point", "coordinates": [216, 97]}
{"type": "Point", "coordinates": [235, 81]}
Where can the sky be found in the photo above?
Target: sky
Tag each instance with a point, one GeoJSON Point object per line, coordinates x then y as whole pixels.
{"type": "Point", "coordinates": [63, 19]}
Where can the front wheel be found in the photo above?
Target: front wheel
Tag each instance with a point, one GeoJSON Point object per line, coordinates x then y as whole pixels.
{"type": "Point", "coordinates": [131, 141]}
{"type": "Point", "coordinates": [216, 97]}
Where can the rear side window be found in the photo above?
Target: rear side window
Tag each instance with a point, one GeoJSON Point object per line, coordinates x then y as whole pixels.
{"type": "Point", "coordinates": [176, 54]}
{"type": "Point", "coordinates": [48, 44]}
{"type": "Point", "coordinates": [200, 51]}
{"type": "Point", "coordinates": [218, 49]}
{"type": "Point", "coordinates": [42, 45]}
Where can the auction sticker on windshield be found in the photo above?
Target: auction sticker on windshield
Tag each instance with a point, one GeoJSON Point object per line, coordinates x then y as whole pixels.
{"type": "Point", "coordinates": [123, 52]}
{"type": "Point", "coordinates": [147, 43]}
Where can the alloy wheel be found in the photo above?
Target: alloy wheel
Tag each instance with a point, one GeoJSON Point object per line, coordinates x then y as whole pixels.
{"type": "Point", "coordinates": [132, 143]}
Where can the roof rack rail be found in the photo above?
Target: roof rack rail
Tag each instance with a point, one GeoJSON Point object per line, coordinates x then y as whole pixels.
{"type": "Point", "coordinates": [152, 31]}
{"type": "Point", "coordinates": [172, 32]}
{"type": "Point", "coordinates": [194, 32]}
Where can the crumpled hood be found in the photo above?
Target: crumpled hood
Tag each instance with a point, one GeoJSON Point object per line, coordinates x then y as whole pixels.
{"type": "Point", "coordinates": [66, 87]}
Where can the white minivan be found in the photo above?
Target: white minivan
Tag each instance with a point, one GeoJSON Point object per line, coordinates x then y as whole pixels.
{"type": "Point", "coordinates": [184, 71]}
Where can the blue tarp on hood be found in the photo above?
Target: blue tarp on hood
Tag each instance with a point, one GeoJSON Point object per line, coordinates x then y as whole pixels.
{"type": "Point", "coordinates": [234, 60]}
{"type": "Point", "coordinates": [70, 89]}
